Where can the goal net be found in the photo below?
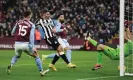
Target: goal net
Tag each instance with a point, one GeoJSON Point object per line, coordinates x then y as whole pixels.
{"type": "Point", "coordinates": [126, 19]}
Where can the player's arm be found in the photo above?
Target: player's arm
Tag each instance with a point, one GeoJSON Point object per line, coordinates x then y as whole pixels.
{"type": "Point", "coordinates": [32, 36]}
{"type": "Point", "coordinates": [38, 26]}
{"type": "Point", "coordinates": [57, 27]}
{"type": "Point", "coordinates": [14, 29]}
{"type": "Point", "coordinates": [42, 32]}
{"type": "Point", "coordinates": [128, 34]}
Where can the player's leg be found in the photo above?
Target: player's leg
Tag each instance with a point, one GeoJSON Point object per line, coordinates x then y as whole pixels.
{"type": "Point", "coordinates": [108, 51]}
{"type": "Point", "coordinates": [33, 52]}
{"type": "Point", "coordinates": [99, 61]}
{"type": "Point", "coordinates": [99, 54]}
{"type": "Point", "coordinates": [44, 57]}
{"type": "Point", "coordinates": [18, 52]}
{"type": "Point", "coordinates": [93, 42]}
{"type": "Point", "coordinates": [65, 45]}
{"type": "Point", "coordinates": [68, 54]}
{"type": "Point", "coordinates": [61, 54]}
{"type": "Point", "coordinates": [51, 42]}
{"type": "Point", "coordinates": [53, 54]}
{"type": "Point", "coordinates": [16, 57]}
{"type": "Point", "coordinates": [68, 50]}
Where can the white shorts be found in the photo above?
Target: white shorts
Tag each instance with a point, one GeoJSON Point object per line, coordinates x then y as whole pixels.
{"type": "Point", "coordinates": [22, 46]}
{"type": "Point", "coordinates": [64, 43]}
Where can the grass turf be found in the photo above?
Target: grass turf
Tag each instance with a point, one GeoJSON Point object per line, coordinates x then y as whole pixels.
{"type": "Point", "coordinates": [25, 68]}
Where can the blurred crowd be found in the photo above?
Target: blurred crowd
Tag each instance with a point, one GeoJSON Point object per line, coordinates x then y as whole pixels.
{"type": "Point", "coordinates": [99, 17]}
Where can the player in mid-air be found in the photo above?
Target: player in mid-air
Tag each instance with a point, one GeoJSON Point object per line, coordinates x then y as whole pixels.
{"type": "Point", "coordinates": [23, 32]}
{"type": "Point", "coordinates": [60, 30]}
{"type": "Point", "coordinates": [47, 25]}
{"type": "Point", "coordinates": [111, 52]}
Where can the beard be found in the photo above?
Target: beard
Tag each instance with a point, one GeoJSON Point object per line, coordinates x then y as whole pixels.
{"type": "Point", "coordinates": [62, 21]}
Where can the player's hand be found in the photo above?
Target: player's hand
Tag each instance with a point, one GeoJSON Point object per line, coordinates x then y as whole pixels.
{"type": "Point", "coordinates": [54, 30]}
{"type": "Point", "coordinates": [68, 26]}
{"type": "Point", "coordinates": [65, 29]}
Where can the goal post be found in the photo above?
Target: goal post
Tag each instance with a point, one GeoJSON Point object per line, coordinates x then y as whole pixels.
{"type": "Point", "coordinates": [126, 14]}
{"type": "Point", "coordinates": [121, 37]}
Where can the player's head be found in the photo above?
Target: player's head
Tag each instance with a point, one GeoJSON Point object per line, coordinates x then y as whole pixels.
{"type": "Point", "coordinates": [61, 17]}
{"type": "Point", "coordinates": [126, 23]}
{"type": "Point", "coordinates": [45, 14]}
{"type": "Point", "coordinates": [27, 14]}
{"type": "Point", "coordinates": [126, 26]}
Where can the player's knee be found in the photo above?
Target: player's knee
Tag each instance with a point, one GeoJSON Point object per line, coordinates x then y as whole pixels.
{"type": "Point", "coordinates": [61, 53]}
{"type": "Point", "coordinates": [69, 50]}
{"type": "Point", "coordinates": [58, 54]}
{"type": "Point", "coordinates": [35, 55]}
{"type": "Point", "coordinates": [100, 47]}
{"type": "Point", "coordinates": [60, 49]}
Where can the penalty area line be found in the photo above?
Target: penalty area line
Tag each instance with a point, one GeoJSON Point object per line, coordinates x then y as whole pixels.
{"type": "Point", "coordinates": [95, 78]}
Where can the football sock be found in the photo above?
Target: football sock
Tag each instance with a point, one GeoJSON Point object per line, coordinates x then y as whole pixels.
{"type": "Point", "coordinates": [63, 56]}
{"type": "Point", "coordinates": [14, 60]}
{"type": "Point", "coordinates": [93, 42]}
{"type": "Point", "coordinates": [68, 55]}
{"type": "Point", "coordinates": [99, 57]}
{"type": "Point", "coordinates": [56, 57]}
{"type": "Point", "coordinates": [39, 63]}
{"type": "Point", "coordinates": [51, 55]}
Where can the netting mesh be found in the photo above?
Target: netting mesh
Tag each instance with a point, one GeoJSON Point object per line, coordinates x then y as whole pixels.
{"type": "Point", "coordinates": [129, 19]}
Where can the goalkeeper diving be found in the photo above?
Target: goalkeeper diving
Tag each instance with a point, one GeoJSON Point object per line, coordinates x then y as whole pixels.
{"type": "Point", "coordinates": [112, 53]}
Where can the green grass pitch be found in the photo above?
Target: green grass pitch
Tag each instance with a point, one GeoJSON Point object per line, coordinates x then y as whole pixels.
{"type": "Point", "coordinates": [25, 68]}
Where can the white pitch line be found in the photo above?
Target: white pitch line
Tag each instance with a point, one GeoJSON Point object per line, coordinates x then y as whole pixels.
{"type": "Point", "coordinates": [95, 78]}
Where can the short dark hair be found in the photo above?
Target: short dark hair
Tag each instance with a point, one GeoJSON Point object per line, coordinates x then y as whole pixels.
{"type": "Point", "coordinates": [26, 13]}
{"type": "Point", "coordinates": [61, 13]}
{"type": "Point", "coordinates": [44, 10]}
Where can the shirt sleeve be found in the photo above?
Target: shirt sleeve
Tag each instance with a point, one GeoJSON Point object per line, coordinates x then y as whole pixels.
{"type": "Point", "coordinates": [58, 26]}
{"type": "Point", "coordinates": [52, 23]}
{"type": "Point", "coordinates": [32, 36]}
{"type": "Point", "coordinates": [14, 29]}
{"type": "Point", "coordinates": [37, 23]}
{"type": "Point", "coordinates": [42, 33]}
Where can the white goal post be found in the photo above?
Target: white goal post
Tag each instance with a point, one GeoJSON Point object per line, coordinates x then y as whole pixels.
{"type": "Point", "coordinates": [126, 9]}
{"type": "Point", "coordinates": [121, 37]}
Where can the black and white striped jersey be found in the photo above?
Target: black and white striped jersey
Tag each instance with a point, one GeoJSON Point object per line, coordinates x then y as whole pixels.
{"type": "Point", "coordinates": [46, 25]}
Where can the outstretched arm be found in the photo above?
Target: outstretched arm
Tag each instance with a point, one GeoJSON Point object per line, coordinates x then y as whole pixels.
{"type": "Point", "coordinates": [128, 34]}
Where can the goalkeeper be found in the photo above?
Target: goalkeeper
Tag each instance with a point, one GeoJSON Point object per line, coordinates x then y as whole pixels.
{"type": "Point", "coordinates": [111, 52]}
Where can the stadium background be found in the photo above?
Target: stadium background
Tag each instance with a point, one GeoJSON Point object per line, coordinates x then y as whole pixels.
{"type": "Point", "coordinates": [99, 17]}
